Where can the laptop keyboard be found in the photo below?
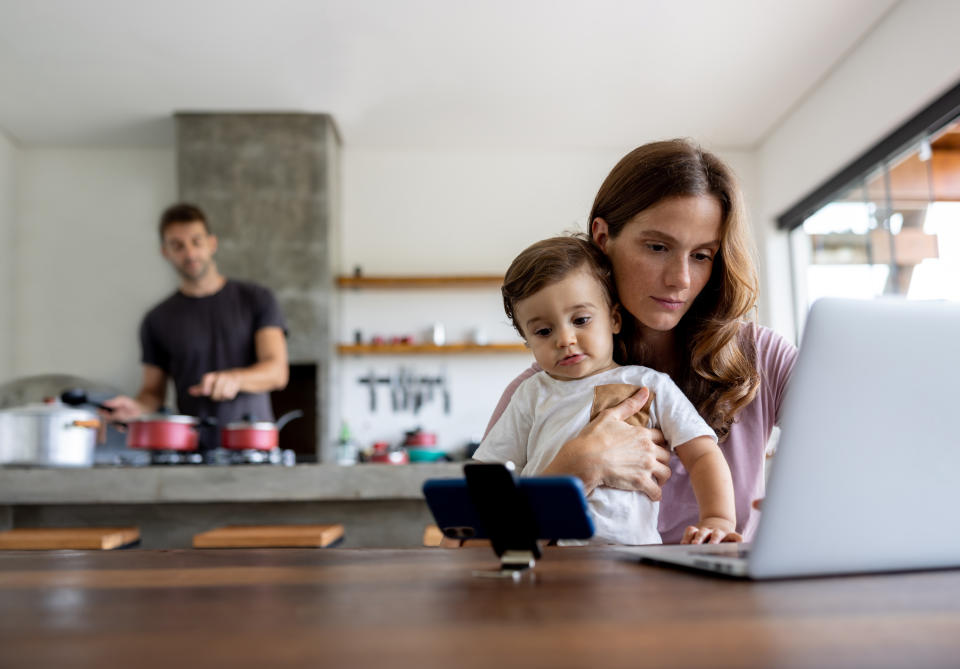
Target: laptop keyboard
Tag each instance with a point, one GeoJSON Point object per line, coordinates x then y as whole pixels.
{"type": "Point", "coordinates": [739, 552]}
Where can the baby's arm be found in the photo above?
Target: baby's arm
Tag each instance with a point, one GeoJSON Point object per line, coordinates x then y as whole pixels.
{"type": "Point", "coordinates": [713, 487]}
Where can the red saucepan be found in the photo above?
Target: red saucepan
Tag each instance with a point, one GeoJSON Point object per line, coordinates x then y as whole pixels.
{"type": "Point", "coordinates": [252, 434]}
{"type": "Point", "coordinates": [163, 432]}
{"type": "Point", "coordinates": [158, 432]}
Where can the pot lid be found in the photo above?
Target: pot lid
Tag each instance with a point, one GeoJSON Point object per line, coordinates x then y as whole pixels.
{"type": "Point", "coordinates": [47, 409]}
{"type": "Point", "coordinates": [167, 418]}
{"type": "Point", "coordinates": [246, 425]}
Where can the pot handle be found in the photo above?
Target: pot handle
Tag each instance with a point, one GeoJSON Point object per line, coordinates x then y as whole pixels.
{"type": "Point", "coordinates": [287, 417]}
{"type": "Point", "coordinates": [93, 424]}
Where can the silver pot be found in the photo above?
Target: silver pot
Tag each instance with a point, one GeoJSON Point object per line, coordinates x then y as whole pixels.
{"type": "Point", "coordinates": [48, 435]}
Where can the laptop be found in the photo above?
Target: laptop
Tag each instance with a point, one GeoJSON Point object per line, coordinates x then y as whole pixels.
{"type": "Point", "coordinates": [867, 470]}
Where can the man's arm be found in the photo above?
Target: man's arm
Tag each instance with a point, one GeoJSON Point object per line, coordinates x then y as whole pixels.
{"type": "Point", "coordinates": [153, 390]}
{"type": "Point", "coordinates": [269, 372]}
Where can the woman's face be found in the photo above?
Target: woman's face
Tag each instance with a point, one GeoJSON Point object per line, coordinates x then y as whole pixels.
{"type": "Point", "coordinates": [663, 257]}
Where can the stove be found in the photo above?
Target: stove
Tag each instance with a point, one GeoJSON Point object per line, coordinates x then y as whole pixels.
{"type": "Point", "coordinates": [175, 458]}
{"type": "Point", "coordinates": [253, 456]}
{"type": "Point", "coordinates": [223, 456]}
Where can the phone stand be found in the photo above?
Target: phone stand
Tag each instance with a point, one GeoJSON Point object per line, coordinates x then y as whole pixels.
{"type": "Point", "coordinates": [507, 516]}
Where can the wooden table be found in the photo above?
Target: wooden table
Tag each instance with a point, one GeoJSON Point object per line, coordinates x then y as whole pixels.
{"type": "Point", "coordinates": [586, 607]}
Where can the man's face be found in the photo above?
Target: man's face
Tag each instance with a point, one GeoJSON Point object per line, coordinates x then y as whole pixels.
{"type": "Point", "coordinates": [189, 248]}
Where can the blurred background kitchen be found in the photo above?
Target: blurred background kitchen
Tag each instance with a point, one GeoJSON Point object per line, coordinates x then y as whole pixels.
{"type": "Point", "coordinates": [333, 144]}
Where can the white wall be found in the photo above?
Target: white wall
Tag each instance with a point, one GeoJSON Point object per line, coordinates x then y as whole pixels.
{"type": "Point", "coordinates": [470, 211]}
{"type": "Point", "coordinates": [88, 263]}
{"type": "Point", "coordinates": [8, 168]}
{"type": "Point", "coordinates": [457, 212]}
{"type": "Point", "coordinates": [909, 59]}
{"type": "Point", "coordinates": [88, 266]}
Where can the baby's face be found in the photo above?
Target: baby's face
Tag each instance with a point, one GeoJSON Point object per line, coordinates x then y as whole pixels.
{"type": "Point", "coordinates": [569, 326]}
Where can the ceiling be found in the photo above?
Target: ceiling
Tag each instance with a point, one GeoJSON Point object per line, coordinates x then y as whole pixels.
{"type": "Point", "coordinates": [424, 74]}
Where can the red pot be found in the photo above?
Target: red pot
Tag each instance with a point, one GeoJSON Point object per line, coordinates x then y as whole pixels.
{"type": "Point", "coordinates": [163, 432]}
{"type": "Point", "coordinates": [388, 455]}
{"type": "Point", "coordinates": [420, 438]}
{"type": "Point", "coordinates": [257, 435]}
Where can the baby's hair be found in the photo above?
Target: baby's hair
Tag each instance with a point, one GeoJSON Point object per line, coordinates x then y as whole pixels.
{"type": "Point", "coordinates": [549, 261]}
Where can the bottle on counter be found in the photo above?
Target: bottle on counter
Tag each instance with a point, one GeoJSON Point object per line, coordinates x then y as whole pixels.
{"type": "Point", "coordinates": [346, 447]}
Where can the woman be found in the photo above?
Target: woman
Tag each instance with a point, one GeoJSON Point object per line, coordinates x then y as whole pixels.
{"type": "Point", "coordinates": [671, 219]}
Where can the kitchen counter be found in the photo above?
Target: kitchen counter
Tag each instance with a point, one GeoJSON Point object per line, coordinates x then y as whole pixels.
{"type": "Point", "coordinates": [201, 483]}
{"type": "Point", "coordinates": [379, 505]}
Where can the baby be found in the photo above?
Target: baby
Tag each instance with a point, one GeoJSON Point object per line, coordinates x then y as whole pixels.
{"type": "Point", "coordinates": [560, 295]}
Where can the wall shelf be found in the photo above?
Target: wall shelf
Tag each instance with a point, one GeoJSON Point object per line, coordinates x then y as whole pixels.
{"type": "Point", "coordinates": [414, 349]}
{"type": "Point", "coordinates": [450, 281]}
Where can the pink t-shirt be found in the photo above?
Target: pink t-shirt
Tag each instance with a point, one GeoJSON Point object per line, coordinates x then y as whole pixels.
{"type": "Point", "coordinates": [744, 447]}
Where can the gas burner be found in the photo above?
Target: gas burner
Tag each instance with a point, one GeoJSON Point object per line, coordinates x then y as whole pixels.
{"type": "Point", "coordinates": [252, 456]}
{"type": "Point", "coordinates": [176, 458]}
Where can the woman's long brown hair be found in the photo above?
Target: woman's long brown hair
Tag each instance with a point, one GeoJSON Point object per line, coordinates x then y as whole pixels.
{"type": "Point", "coordinates": [720, 375]}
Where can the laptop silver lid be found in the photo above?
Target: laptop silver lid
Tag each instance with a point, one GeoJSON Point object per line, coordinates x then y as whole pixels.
{"type": "Point", "coordinates": [868, 466]}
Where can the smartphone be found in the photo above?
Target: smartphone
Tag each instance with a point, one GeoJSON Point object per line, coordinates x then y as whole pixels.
{"type": "Point", "coordinates": [554, 506]}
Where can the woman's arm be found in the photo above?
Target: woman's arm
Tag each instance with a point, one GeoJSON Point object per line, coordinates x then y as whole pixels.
{"type": "Point", "coordinates": [610, 452]}
{"type": "Point", "coordinates": [713, 486]}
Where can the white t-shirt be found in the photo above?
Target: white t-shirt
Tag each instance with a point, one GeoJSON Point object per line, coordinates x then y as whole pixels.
{"type": "Point", "coordinates": [545, 413]}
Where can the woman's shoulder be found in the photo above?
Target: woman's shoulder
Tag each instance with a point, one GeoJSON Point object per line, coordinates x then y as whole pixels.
{"type": "Point", "coordinates": [766, 342]}
{"type": "Point", "coordinates": [775, 358]}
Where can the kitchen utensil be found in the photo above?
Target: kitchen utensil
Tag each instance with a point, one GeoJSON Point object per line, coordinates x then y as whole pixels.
{"type": "Point", "coordinates": [427, 454]}
{"type": "Point", "coordinates": [48, 435]}
{"type": "Point", "coordinates": [446, 393]}
{"type": "Point", "coordinates": [269, 536]}
{"type": "Point", "coordinates": [78, 397]}
{"type": "Point", "coordinates": [421, 446]}
{"type": "Point", "coordinates": [417, 437]}
{"type": "Point", "coordinates": [76, 538]}
{"type": "Point", "coordinates": [252, 434]}
{"type": "Point", "coordinates": [371, 380]}
{"type": "Point", "coordinates": [390, 455]}
{"type": "Point", "coordinates": [164, 432]}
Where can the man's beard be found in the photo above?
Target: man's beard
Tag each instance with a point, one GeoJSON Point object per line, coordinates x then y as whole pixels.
{"type": "Point", "coordinates": [197, 273]}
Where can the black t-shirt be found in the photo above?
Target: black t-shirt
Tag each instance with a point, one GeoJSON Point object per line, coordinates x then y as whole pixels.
{"type": "Point", "coordinates": [187, 337]}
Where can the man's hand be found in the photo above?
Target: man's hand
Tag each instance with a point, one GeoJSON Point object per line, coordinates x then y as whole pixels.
{"type": "Point", "coordinates": [218, 386]}
{"type": "Point", "coordinates": [710, 531]}
{"type": "Point", "coordinates": [124, 409]}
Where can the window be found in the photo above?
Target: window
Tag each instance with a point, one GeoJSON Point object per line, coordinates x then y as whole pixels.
{"type": "Point", "coordinates": [888, 224]}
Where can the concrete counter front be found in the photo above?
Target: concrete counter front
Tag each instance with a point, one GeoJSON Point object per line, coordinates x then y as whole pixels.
{"type": "Point", "coordinates": [379, 505]}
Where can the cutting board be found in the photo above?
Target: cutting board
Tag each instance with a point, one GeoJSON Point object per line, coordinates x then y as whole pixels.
{"type": "Point", "coordinates": [269, 536]}
{"type": "Point", "coordinates": [79, 538]}
{"type": "Point", "coordinates": [432, 536]}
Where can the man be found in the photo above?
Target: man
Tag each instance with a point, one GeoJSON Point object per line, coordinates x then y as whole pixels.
{"type": "Point", "coordinates": [221, 341]}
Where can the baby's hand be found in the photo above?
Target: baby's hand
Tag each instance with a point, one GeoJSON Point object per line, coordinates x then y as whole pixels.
{"type": "Point", "coordinates": [711, 531]}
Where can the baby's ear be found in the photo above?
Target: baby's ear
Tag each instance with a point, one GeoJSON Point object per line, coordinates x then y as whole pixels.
{"type": "Point", "coordinates": [615, 319]}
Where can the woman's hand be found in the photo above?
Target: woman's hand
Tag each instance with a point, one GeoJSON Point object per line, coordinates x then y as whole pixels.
{"type": "Point", "coordinates": [710, 531]}
{"type": "Point", "coordinates": [610, 452]}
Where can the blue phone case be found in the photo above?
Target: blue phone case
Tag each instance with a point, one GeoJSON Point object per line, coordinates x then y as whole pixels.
{"type": "Point", "coordinates": [557, 502]}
